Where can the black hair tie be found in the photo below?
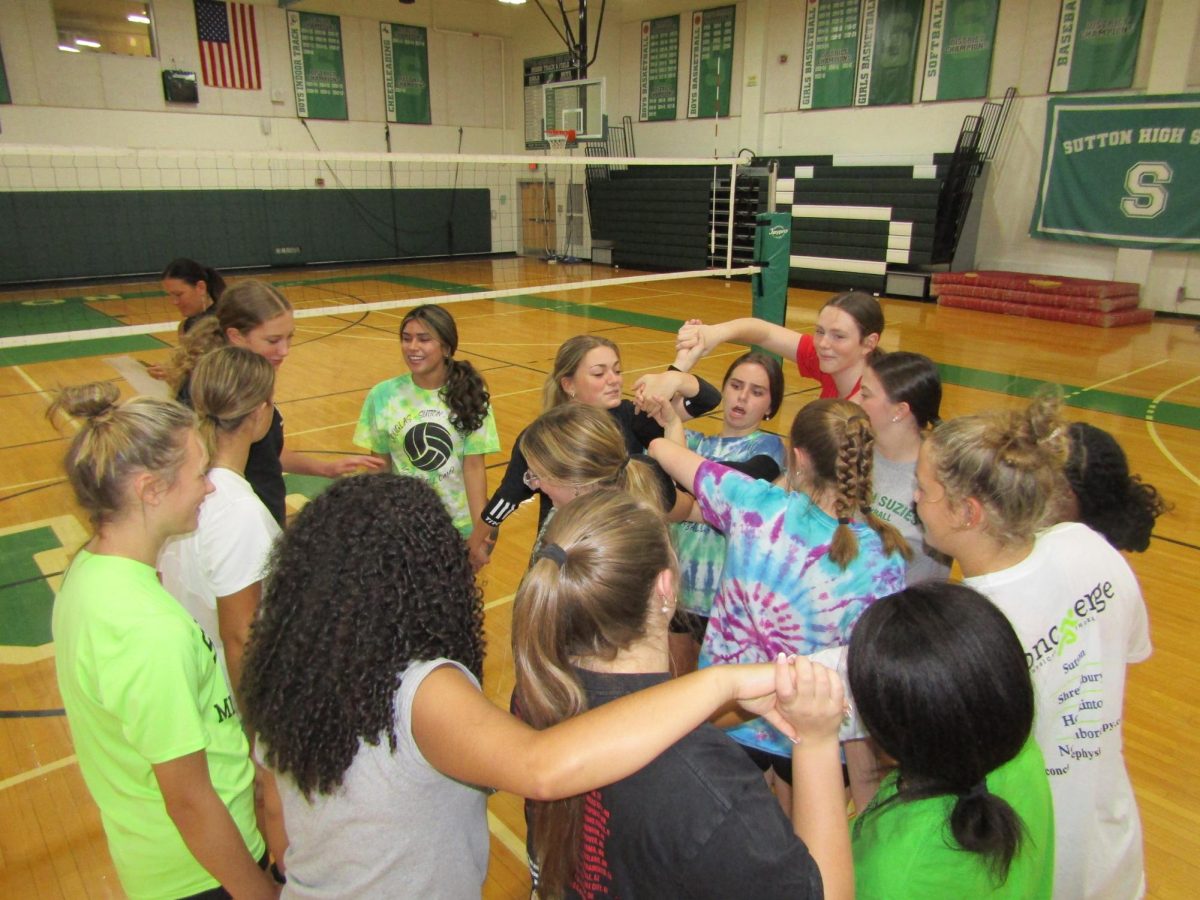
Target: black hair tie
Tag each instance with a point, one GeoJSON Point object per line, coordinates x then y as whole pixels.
{"type": "Point", "coordinates": [553, 552]}
{"type": "Point", "coordinates": [843, 520]}
{"type": "Point", "coordinates": [976, 791]}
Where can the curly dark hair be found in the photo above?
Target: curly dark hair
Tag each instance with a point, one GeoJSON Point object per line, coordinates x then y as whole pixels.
{"type": "Point", "coordinates": [465, 391]}
{"type": "Point", "coordinates": [1112, 501]}
{"type": "Point", "coordinates": [370, 577]}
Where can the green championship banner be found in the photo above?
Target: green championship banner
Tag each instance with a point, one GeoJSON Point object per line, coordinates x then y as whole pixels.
{"type": "Point", "coordinates": [1097, 45]}
{"type": "Point", "coordinates": [5, 96]}
{"type": "Point", "coordinates": [711, 82]}
{"type": "Point", "coordinates": [1122, 171]}
{"type": "Point", "coordinates": [830, 53]}
{"type": "Point", "coordinates": [317, 69]}
{"type": "Point", "coordinates": [887, 56]}
{"type": "Point", "coordinates": [660, 69]}
{"type": "Point", "coordinates": [405, 73]}
{"type": "Point", "coordinates": [958, 54]}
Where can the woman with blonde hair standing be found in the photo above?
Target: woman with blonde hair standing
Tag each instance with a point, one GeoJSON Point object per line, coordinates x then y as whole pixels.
{"type": "Point", "coordinates": [984, 485]}
{"type": "Point", "coordinates": [153, 721]}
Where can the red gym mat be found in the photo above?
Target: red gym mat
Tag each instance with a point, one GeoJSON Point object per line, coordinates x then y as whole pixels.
{"type": "Point", "coordinates": [1098, 318]}
{"type": "Point", "coordinates": [1038, 298]}
{"type": "Point", "coordinates": [1043, 284]}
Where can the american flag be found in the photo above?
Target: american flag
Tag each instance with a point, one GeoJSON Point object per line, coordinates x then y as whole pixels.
{"type": "Point", "coordinates": [228, 45]}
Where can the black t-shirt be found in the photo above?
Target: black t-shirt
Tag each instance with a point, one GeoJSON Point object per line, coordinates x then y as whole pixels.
{"type": "Point", "coordinates": [698, 821]}
{"type": "Point", "coordinates": [264, 471]}
{"type": "Point", "coordinates": [189, 323]}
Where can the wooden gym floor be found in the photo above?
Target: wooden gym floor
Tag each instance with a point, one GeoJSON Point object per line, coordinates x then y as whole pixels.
{"type": "Point", "coordinates": [1140, 383]}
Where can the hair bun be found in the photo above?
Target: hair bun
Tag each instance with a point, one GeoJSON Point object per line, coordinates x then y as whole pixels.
{"type": "Point", "coordinates": [94, 401]}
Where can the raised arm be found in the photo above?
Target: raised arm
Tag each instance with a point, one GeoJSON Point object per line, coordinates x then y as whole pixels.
{"type": "Point", "coordinates": [775, 338]}
{"type": "Point", "coordinates": [467, 737]}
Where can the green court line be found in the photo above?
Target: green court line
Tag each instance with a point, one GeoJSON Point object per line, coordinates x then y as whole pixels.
{"type": "Point", "coordinates": [65, 314]}
{"type": "Point", "coordinates": [1167, 413]}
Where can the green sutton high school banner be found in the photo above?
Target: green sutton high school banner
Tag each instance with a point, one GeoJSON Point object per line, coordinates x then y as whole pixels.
{"type": "Point", "coordinates": [1097, 45]}
{"type": "Point", "coordinates": [405, 73]}
{"type": "Point", "coordinates": [317, 68]}
{"type": "Point", "coordinates": [958, 57]}
{"type": "Point", "coordinates": [712, 62]}
{"type": "Point", "coordinates": [1122, 171]}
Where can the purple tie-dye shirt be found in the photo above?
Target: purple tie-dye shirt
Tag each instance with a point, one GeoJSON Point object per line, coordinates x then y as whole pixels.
{"type": "Point", "coordinates": [780, 591]}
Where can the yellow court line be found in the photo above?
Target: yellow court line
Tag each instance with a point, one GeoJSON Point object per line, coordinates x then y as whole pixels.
{"type": "Point", "coordinates": [504, 835]}
{"type": "Point", "coordinates": [38, 772]}
{"type": "Point", "coordinates": [500, 602]}
{"type": "Point", "coordinates": [1123, 375]}
{"type": "Point", "coordinates": [25, 484]}
{"type": "Point", "coordinates": [1153, 430]}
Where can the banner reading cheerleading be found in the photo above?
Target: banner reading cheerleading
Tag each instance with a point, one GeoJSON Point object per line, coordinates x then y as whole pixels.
{"type": "Point", "coordinates": [958, 57]}
{"type": "Point", "coordinates": [405, 73]}
{"type": "Point", "coordinates": [1122, 171]}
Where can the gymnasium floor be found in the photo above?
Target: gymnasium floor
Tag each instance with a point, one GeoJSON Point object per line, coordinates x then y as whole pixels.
{"type": "Point", "coordinates": [1140, 383]}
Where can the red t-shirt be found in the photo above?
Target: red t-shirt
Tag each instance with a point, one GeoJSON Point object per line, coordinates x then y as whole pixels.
{"type": "Point", "coordinates": [810, 367]}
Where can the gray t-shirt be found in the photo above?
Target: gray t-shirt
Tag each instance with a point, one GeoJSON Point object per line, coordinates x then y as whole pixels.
{"type": "Point", "coordinates": [893, 484]}
{"type": "Point", "coordinates": [397, 827]}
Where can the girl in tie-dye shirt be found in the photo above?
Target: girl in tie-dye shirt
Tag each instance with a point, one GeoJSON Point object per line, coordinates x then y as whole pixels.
{"type": "Point", "coordinates": [803, 562]}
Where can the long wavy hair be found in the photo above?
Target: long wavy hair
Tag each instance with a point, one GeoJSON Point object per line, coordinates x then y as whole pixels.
{"type": "Point", "coordinates": [940, 681]}
{"type": "Point", "coordinates": [598, 601]}
{"type": "Point", "coordinates": [465, 391]}
{"type": "Point", "coordinates": [370, 577]}
{"type": "Point", "coordinates": [836, 435]}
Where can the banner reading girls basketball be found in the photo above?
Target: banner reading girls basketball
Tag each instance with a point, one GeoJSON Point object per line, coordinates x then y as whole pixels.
{"type": "Point", "coordinates": [887, 54]}
{"type": "Point", "coordinates": [405, 73]}
{"type": "Point", "coordinates": [830, 53]}
{"type": "Point", "coordinates": [1122, 171]}
{"type": "Point", "coordinates": [318, 72]}
{"type": "Point", "coordinates": [1097, 45]}
{"type": "Point", "coordinates": [958, 56]}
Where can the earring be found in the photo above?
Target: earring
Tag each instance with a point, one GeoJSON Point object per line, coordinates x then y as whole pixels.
{"type": "Point", "coordinates": [571, 395]}
{"type": "Point", "coordinates": [895, 418]}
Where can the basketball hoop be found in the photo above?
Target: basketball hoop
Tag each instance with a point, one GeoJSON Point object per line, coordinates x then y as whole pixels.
{"type": "Point", "coordinates": [561, 139]}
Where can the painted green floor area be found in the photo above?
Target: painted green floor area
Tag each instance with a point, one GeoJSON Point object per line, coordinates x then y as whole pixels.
{"type": "Point", "coordinates": [25, 598]}
{"type": "Point", "coordinates": [66, 314]}
{"type": "Point", "coordinates": [77, 311]}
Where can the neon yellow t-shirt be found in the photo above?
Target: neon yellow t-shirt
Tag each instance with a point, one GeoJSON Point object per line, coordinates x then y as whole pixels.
{"type": "Point", "coordinates": [141, 686]}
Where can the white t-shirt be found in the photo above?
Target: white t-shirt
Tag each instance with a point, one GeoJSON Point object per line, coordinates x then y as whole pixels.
{"type": "Point", "coordinates": [227, 552]}
{"type": "Point", "coordinates": [1078, 611]}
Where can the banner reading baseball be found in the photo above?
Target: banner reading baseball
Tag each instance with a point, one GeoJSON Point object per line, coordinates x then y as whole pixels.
{"type": "Point", "coordinates": [1122, 171]}
{"type": "Point", "coordinates": [1097, 45]}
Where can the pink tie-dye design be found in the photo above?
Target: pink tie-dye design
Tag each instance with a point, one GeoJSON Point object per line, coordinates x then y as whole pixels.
{"type": "Point", "coordinates": [779, 590]}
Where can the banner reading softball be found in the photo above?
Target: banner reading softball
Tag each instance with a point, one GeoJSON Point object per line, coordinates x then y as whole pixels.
{"type": "Point", "coordinates": [660, 69]}
{"type": "Point", "coordinates": [1123, 171]}
{"type": "Point", "coordinates": [317, 70]}
{"type": "Point", "coordinates": [405, 73]}
{"type": "Point", "coordinates": [1097, 45]}
{"type": "Point", "coordinates": [830, 53]}
{"type": "Point", "coordinates": [958, 57]}
{"type": "Point", "coordinates": [887, 56]}
{"type": "Point", "coordinates": [711, 82]}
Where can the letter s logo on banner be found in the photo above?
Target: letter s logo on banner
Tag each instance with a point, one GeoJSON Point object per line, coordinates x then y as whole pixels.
{"type": "Point", "coordinates": [1146, 196]}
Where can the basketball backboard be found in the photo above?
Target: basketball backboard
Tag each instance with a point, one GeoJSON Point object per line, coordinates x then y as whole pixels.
{"type": "Point", "coordinates": [575, 106]}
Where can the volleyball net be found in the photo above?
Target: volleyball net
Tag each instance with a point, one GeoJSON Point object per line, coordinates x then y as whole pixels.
{"type": "Point", "coordinates": [116, 216]}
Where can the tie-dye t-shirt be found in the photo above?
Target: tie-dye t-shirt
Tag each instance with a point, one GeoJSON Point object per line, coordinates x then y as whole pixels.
{"type": "Point", "coordinates": [780, 591]}
{"type": "Point", "coordinates": [700, 548]}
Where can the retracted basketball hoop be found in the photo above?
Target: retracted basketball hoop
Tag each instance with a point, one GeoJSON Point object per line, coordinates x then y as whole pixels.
{"type": "Point", "coordinates": [561, 139]}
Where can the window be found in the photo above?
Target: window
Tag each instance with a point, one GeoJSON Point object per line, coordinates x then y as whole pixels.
{"type": "Point", "coordinates": [123, 27]}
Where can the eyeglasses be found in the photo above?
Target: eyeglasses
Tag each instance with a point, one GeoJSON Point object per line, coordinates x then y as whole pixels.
{"type": "Point", "coordinates": [532, 481]}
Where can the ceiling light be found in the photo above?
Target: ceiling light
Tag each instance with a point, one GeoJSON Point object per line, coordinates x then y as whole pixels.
{"type": "Point", "coordinates": [84, 42]}
{"type": "Point", "coordinates": [513, 2]}
{"type": "Point", "coordinates": [141, 20]}
{"type": "Point", "coordinates": [67, 48]}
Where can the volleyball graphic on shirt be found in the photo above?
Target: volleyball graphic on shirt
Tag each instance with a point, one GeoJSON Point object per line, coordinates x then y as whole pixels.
{"type": "Point", "coordinates": [428, 446]}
